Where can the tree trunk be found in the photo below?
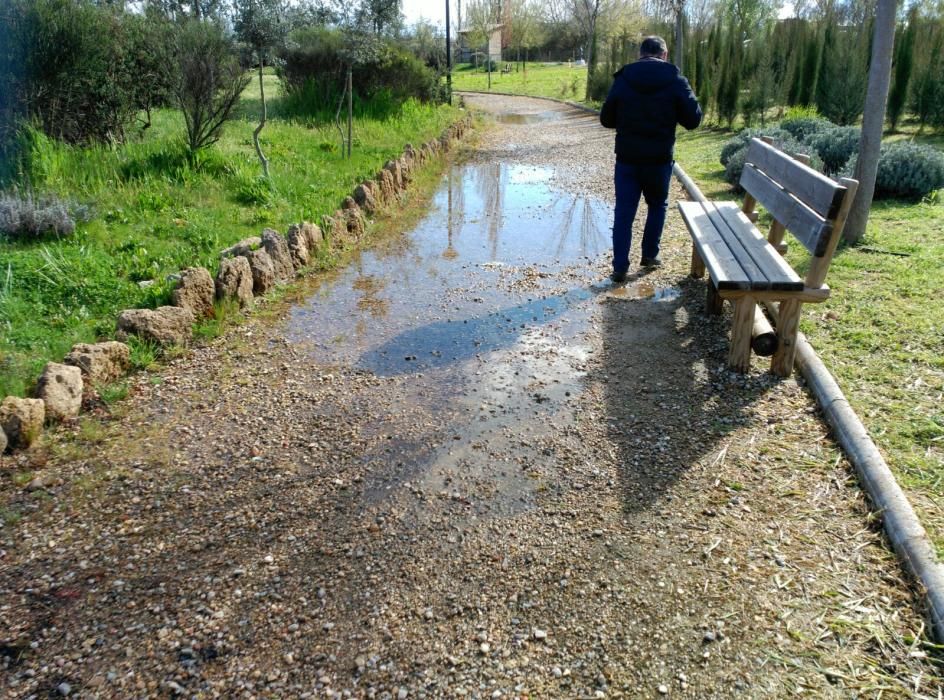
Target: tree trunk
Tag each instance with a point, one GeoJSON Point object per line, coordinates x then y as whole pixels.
{"type": "Point", "coordinates": [262, 123]}
{"type": "Point", "coordinates": [591, 56]}
{"type": "Point", "coordinates": [678, 55]}
{"type": "Point", "coordinates": [873, 119]}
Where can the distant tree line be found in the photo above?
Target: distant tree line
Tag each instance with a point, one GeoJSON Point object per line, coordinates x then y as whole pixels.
{"type": "Point", "coordinates": [746, 64]}
{"type": "Point", "coordinates": [86, 71]}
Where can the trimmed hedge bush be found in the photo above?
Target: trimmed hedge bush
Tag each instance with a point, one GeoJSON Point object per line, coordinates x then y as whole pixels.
{"type": "Point", "coordinates": [803, 128]}
{"type": "Point", "coordinates": [743, 138]}
{"type": "Point", "coordinates": [835, 146]}
{"type": "Point", "coordinates": [905, 169]}
{"type": "Point", "coordinates": [314, 64]}
{"type": "Point", "coordinates": [909, 170]}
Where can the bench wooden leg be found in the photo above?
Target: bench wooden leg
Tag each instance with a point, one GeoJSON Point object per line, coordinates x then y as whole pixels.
{"type": "Point", "coordinates": [714, 304]}
{"type": "Point", "coordinates": [739, 356]}
{"type": "Point", "coordinates": [698, 265]}
{"type": "Point", "coordinates": [788, 321]}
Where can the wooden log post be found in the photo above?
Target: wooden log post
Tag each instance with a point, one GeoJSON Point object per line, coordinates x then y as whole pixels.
{"type": "Point", "coordinates": [739, 355]}
{"type": "Point", "coordinates": [764, 340]}
{"type": "Point", "coordinates": [698, 265]}
{"type": "Point", "coordinates": [775, 237]}
{"type": "Point", "coordinates": [714, 304]}
{"type": "Point", "coordinates": [788, 322]}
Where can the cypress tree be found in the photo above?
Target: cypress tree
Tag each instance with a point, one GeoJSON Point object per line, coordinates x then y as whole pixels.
{"type": "Point", "coordinates": [826, 72]}
{"type": "Point", "coordinates": [730, 86]}
{"type": "Point", "coordinates": [904, 64]}
{"type": "Point", "coordinates": [809, 70]}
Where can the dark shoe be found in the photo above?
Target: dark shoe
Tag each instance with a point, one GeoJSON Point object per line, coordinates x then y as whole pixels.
{"type": "Point", "coordinates": [618, 277]}
{"type": "Point", "coordinates": [650, 262]}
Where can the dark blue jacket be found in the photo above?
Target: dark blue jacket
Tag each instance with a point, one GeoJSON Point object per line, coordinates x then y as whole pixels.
{"type": "Point", "coordinates": [648, 98]}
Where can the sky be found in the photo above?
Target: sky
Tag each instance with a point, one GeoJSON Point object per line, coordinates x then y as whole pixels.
{"type": "Point", "coordinates": [435, 11]}
{"type": "Point", "coordinates": [432, 10]}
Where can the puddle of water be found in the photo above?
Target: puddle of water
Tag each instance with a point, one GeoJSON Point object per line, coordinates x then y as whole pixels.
{"type": "Point", "coordinates": [644, 290]}
{"type": "Point", "coordinates": [519, 118]}
{"type": "Point", "coordinates": [476, 318]}
{"type": "Point", "coordinates": [453, 287]}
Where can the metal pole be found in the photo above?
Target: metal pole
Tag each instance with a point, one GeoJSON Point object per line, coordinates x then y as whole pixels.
{"type": "Point", "coordinates": [448, 56]}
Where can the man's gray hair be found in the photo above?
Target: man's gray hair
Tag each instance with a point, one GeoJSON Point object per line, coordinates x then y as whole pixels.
{"type": "Point", "coordinates": [652, 46]}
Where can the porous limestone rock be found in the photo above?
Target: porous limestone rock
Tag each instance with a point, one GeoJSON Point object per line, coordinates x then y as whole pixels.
{"type": "Point", "coordinates": [100, 362]}
{"type": "Point", "coordinates": [245, 246]}
{"type": "Point", "coordinates": [195, 291]}
{"type": "Point", "coordinates": [364, 196]}
{"type": "Point", "coordinates": [393, 167]}
{"type": "Point", "coordinates": [22, 420]}
{"type": "Point", "coordinates": [263, 271]}
{"type": "Point", "coordinates": [166, 325]}
{"type": "Point", "coordinates": [234, 281]}
{"type": "Point", "coordinates": [313, 235]}
{"type": "Point", "coordinates": [388, 186]}
{"type": "Point", "coordinates": [277, 247]}
{"type": "Point", "coordinates": [60, 388]}
{"type": "Point", "coordinates": [298, 245]}
{"type": "Point", "coordinates": [354, 219]}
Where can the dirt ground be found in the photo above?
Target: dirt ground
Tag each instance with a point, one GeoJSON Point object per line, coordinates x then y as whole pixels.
{"type": "Point", "coordinates": [591, 506]}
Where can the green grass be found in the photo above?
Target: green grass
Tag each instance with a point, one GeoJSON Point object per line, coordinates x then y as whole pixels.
{"type": "Point", "coordinates": [539, 79]}
{"type": "Point", "coordinates": [881, 333]}
{"type": "Point", "coordinates": [155, 212]}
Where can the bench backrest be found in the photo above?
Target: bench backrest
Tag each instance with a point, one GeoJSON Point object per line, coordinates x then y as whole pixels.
{"type": "Point", "coordinates": [800, 199]}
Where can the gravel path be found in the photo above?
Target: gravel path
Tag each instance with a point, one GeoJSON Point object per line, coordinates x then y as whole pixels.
{"type": "Point", "coordinates": [591, 506]}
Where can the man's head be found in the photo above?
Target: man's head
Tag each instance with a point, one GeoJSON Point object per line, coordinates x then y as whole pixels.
{"type": "Point", "coordinates": [653, 47]}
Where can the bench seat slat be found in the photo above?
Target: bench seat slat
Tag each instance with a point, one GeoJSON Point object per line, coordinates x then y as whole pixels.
{"type": "Point", "coordinates": [735, 252]}
{"type": "Point", "coordinates": [805, 224]}
{"type": "Point", "coordinates": [774, 267]}
{"type": "Point", "coordinates": [726, 270]}
{"type": "Point", "coordinates": [755, 274]}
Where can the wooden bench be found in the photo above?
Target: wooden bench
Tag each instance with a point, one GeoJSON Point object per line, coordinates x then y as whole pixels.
{"type": "Point", "coordinates": [746, 268]}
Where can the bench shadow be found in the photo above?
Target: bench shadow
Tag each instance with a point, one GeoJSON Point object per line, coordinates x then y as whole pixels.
{"type": "Point", "coordinates": [669, 400]}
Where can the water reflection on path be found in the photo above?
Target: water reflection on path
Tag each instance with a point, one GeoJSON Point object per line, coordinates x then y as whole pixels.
{"type": "Point", "coordinates": [456, 285]}
{"type": "Point", "coordinates": [476, 318]}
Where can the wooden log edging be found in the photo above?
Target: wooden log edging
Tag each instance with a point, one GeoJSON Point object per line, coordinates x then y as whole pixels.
{"type": "Point", "coordinates": [902, 526]}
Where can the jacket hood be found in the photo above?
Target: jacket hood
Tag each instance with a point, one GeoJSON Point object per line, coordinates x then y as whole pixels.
{"type": "Point", "coordinates": [649, 74]}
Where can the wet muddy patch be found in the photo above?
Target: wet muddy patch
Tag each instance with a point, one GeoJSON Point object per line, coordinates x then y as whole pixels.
{"type": "Point", "coordinates": [525, 118]}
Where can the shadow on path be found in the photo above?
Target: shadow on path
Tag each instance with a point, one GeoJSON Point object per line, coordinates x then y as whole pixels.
{"type": "Point", "coordinates": [665, 408]}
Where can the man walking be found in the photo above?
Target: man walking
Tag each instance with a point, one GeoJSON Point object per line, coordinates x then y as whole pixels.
{"type": "Point", "coordinates": [648, 98]}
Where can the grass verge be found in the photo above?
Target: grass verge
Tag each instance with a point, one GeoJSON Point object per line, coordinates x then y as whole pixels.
{"type": "Point", "coordinates": [155, 211]}
{"type": "Point", "coordinates": [880, 333]}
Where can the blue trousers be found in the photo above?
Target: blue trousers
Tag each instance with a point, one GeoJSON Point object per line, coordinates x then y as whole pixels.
{"type": "Point", "coordinates": [652, 182]}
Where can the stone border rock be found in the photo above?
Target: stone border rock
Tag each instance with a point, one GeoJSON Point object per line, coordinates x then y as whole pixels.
{"type": "Point", "coordinates": [250, 268]}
